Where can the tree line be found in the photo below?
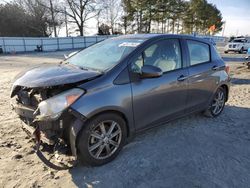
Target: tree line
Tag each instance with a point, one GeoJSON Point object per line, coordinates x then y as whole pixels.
{"type": "Point", "coordinates": [47, 17]}
{"type": "Point", "coordinates": [170, 16]}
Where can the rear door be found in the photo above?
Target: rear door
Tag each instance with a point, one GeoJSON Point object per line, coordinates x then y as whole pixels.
{"type": "Point", "coordinates": [202, 70]}
{"type": "Point", "coordinates": [158, 99]}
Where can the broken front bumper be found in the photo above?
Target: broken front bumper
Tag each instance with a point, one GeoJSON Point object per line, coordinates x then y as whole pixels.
{"type": "Point", "coordinates": [50, 132]}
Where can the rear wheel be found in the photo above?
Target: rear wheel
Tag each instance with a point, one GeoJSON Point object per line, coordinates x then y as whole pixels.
{"type": "Point", "coordinates": [225, 52]}
{"type": "Point", "coordinates": [241, 50]}
{"type": "Point", "coordinates": [217, 104]}
{"type": "Point", "coordinates": [101, 139]}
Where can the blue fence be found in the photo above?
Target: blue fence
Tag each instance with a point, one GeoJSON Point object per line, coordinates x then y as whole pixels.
{"type": "Point", "coordinates": [29, 44]}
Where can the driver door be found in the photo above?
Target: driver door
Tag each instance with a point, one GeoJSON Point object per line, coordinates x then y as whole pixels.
{"type": "Point", "coordinates": [156, 100]}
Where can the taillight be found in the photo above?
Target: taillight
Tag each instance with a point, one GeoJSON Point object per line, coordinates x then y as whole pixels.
{"type": "Point", "coordinates": [227, 69]}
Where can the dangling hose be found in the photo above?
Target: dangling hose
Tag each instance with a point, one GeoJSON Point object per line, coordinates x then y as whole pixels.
{"type": "Point", "coordinates": [41, 156]}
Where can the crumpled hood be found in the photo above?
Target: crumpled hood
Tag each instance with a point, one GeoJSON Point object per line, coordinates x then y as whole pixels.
{"type": "Point", "coordinates": [46, 76]}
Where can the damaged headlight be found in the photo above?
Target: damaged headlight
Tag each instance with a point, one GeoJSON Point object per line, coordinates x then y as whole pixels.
{"type": "Point", "coordinates": [53, 107]}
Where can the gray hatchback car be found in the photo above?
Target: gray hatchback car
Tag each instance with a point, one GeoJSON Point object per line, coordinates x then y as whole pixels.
{"type": "Point", "coordinates": [94, 101]}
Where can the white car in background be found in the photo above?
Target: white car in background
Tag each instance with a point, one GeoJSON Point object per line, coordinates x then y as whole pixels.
{"type": "Point", "coordinates": [238, 45]}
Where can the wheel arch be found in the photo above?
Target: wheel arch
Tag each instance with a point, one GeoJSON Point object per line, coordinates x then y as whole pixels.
{"type": "Point", "coordinates": [222, 85]}
{"type": "Point", "coordinates": [117, 112]}
{"type": "Point", "coordinates": [226, 88]}
{"type": "Point", "coordinates": [77, 126]}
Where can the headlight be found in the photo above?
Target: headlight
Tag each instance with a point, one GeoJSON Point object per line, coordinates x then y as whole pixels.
{"type": "Point", "coordinates": [53, 107]}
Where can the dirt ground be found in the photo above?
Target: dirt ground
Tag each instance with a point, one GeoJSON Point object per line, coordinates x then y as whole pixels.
{"type": "Point", "coordinates": [194, 151]}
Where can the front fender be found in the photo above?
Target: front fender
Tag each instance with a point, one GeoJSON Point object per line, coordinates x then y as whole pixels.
{"type": "Point", "coordinates": [116, 98]}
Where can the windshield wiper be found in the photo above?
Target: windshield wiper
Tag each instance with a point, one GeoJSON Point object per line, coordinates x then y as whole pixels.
{"type": "Point", "coordinates": [88, 68]}
{"type": "Point", "coordinates": [82, 67]}
{"type": "Point", "coordinates": [63, 62]}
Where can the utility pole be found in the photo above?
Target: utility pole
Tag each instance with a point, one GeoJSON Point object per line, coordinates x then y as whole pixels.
{"type": "Point", "coordinates": [66, 22]}
{"type": "Point", "coordinates": [224, 28]}
{"type": "Point", "coordinates": [53, 17]}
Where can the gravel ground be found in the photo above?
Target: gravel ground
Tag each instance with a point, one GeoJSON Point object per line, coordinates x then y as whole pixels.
{"type": "Point", "coordinates": [194, 151]}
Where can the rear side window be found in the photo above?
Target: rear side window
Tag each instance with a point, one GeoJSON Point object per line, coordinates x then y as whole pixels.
{"type": "Point", "coordinates": [198, 52]}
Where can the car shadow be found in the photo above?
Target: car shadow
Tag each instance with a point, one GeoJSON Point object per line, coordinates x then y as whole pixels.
{"type": "Point", "coordinates": [240, 81]}
{"type": "Point", "coordinates": [194, 151]}
{"type": "Point", "coordinates": [234, 59]}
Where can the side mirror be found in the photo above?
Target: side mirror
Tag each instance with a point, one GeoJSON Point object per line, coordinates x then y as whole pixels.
{"type": "Point", "coordinates": [65, 56]}
{"type": "Point", "coordinates": [70, 55]}
{"type": "Point", "coordinates": [150, 71]}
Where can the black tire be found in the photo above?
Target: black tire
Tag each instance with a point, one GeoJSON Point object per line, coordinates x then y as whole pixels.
{"type": "Point", "coordinates": [248, 65]}
{"type": "Point", "coordinates": [225, 52]}
{"type": "Point", "coordinates": [84, 138]}
{"type": "Point", "coordinates": [210, 111]}
{"type": "Point", "coordinates": [241, 51]}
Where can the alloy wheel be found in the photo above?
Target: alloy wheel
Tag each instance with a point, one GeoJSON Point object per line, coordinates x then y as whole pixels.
{"type": "Point", "coordinates": [104, 139]}
{"type": "Point", "coordinates": [218, 102]}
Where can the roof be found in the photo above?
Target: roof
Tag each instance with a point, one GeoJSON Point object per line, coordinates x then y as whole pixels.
{"type": "Point", "coordinates": [146, 36]}
{"type": "Point", "coordinates": [154, 35]}
{"type": "Point", "coordinates": [157, 35]}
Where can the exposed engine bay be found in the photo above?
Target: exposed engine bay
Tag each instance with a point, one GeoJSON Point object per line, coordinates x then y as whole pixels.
{"type": "Point", "coordinates": [51, 132]}
{"type": "Point", "coordinates": [26, 102]}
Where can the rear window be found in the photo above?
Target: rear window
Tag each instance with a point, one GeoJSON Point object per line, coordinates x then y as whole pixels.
{"type": "Point", "coordinates": [198, 52]}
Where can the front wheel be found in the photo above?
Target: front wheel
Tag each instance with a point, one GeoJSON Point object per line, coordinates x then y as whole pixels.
{"type": "Point", "coordinates": [101, 139]}
{"type": "Point", "coordinates": [217, 104]}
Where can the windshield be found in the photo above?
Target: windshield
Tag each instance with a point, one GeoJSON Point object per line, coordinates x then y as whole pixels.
{"type": "Point", "coordinates": [104, 55]}
{"type": "Point", "coordinates": [239, 40]}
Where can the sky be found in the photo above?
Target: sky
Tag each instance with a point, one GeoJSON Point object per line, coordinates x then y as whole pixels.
{"type": "Point", "coordinates": [236, 14]}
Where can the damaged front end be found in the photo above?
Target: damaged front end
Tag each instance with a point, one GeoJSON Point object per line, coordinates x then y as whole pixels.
{"type": "Point", "coordinates": [42, 97]}
{"type": "Point", "coordinates": [46, 116]}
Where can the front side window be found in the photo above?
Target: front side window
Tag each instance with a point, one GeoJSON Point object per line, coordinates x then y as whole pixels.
{"type": "Point", "coordinates": [198, 52]}
{"type": "Point", "coordinates": [104, 55]}
{"type": "Point", "coordinates": [164, 54]}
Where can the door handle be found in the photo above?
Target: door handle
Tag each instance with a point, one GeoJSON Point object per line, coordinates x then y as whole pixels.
{"type": "Point", "coordinates": [215, 67]}
{"type": "Point", "coordinates": [182, 78]}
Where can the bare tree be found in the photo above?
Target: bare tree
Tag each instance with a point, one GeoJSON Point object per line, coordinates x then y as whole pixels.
{"type": "Point", "coordinates": [54, 10]}
{"type": "Point", "coordinates": [39, 20]}
{"type": "Point", "coordinates": [47, 10]}
{"type": "Point", "coordinates": [81, 11]}
{"type": "Point", "coordinates": [111, 12]}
